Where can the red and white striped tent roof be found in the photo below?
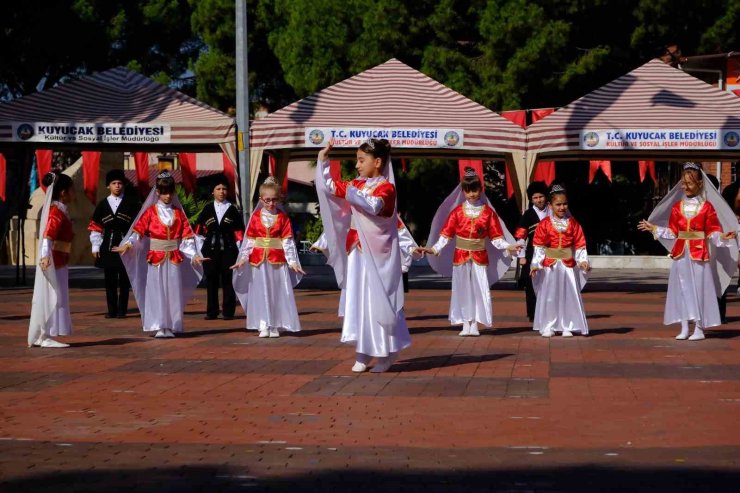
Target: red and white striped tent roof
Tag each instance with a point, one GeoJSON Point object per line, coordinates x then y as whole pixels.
{"type": "Point", "coordinates": [654, 96]}
{"type": "Point", "coordinates": [121, 96]}
{"type": "Point", "coordinates": [390, 95]}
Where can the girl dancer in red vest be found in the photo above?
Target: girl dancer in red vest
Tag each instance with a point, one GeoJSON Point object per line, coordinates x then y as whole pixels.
{"type": "Point", "coordinates": [265, 286]}
{"type": "Point", "coordinates": [472, 225]}
{"type": "Point", "coordinates": [695, 216]}
{"type": "Point", "coordinates": [50, 307]}
{"type": "Point", "coordinates": [361, 228]}
{"type": "Point", "coordinates": [559, 247]}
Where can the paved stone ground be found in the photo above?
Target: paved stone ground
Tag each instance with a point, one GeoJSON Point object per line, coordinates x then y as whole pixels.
{"type": "Point", "coordinates": [625, 409]}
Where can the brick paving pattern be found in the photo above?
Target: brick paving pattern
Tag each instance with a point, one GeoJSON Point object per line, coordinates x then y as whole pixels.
{"type": "Point", "coordinates": [626, 409]}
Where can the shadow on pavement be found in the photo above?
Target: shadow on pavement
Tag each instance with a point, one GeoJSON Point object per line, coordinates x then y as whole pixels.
{"type": "Point", "coordinates": [611, 330]}
{"type": "Point", "coordinates": [117, 341]}
{"type": "Point", "coordinates": [224, 479]}
{"type": "Point", "coordinates": [443, 360]}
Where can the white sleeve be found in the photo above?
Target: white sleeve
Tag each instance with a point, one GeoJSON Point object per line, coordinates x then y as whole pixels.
{"type": "Point", "coordinates": [366, 202]}
{"type": "Point", "coordinates": [501, 244]}
{"type": "Point", "coordinates": [247, 250]}
{"type": "Point", "coordinates": [663, 232]}
{"type": "Point", "coordinates": [46, 247]}
{"type": "Point", "coordinates": [441, 243]}
{"type": "Point", "coordinates": [716, 239]}
{"type": "Point", "coordinates": [537, 257]}
{"type": "Point", "coordinates": [321, 243]}
{"type": "Point", "coordinates": [96, 239]}
{"type": "Point", "coordinates": [406, 242]}
{"type": "Point", "coordinates": [522, 251]}
{"type": "Point", "coordinates": [291, 253]}
{"type": "Point", "coordinates": [326, 173]}
{"type": "Point", "coordinates": [188, 248]}
{"type": "Point", "coordinates": [581, 255]}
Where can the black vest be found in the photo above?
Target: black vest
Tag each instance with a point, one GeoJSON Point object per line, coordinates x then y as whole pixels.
{"type": "Point", "coordinates": [115, 226]}
{"type": "Point", "coordinates": [220, 238]}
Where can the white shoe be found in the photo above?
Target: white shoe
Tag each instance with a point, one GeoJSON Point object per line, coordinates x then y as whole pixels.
{"type": "Point", "coordinates": [274, 332]}
{"type": "Point", "coordinates": [161, 334]}
{"type": "Point", "coordinates": [384, 363]}
{"type": "Point", "coordinates": [169, 334]}
{"type": "Point", "coordinates": [359, 367]}
{"type": "Point", "coordinates": [567, 333]}
{"type": "Point", "coordinates": [474, 330]}
{"type": "Point", "coordinates": [264, 333]}
{"type": "Point", "coordinates": [698, 335]}
{"type": "Point", "coordinates": [465, 330]}
{"type": "Point", "coordinates": [547, 333]}
{"type": "Point", "coordinates": [49, 342]}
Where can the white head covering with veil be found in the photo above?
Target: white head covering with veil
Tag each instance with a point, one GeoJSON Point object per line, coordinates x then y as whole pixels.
{"type": "Point", "coordinates": [379, 238]}
{"type": "Point", "coordinates": [498, 262]}
{"type": "Point", "coordinates": [242, 276]}
{"type": "Point", "coordinates": [135, 262]}
{"type": "Point", "coordinates": [45, 285]}
{"type": "Point", "coordinates": [723, 260]}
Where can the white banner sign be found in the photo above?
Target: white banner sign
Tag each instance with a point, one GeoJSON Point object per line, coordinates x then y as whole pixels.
{"type": "Point", "coordinates": [660, 140]}
{"type": "Point", "coordinates": [398, 137]}
{"type": "Point", "coordinates": [91, 133]}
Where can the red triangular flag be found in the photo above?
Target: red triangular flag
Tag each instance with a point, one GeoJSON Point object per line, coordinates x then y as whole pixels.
{"type": "Point", "coordinates": [90, 174]}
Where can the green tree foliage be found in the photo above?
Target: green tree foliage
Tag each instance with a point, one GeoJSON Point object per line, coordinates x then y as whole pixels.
{"type": "Point", "coordinates": [48, 41]}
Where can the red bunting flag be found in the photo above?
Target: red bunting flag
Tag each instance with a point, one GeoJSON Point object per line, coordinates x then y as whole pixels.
{"type": "Point", "coordinates": [604, 166]}
{"type": "Point", "coordinates": [43, 164]}
{"type": "Point", "coordinates": [518, 117]}
{"type": "Point", "coordinates": [647, 167]}
{"type": "Point", "coordinates": [90, 174]}
{"type": "Point", "coordinates": [335, 170]}
{"type": "Point", "coordinates": [230, 174]}
{"type": "Point", "coordinates": [273, 172]}
{"type": "Point", "coordinates": [3, 178]}
{"type": "Point", "coordinates": [543, 170]}
{"type": "Point", "coordinates": [187, 166]}
{"type": "Point", "coordinates": [405, 165]}
{"type": "Point", "coordinates": [141, 161]}
{"type": "Point", "coordinates": [477, 165]}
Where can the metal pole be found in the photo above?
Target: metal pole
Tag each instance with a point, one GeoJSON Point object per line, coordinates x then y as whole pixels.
{"type": "Point", "coordinates": [242, 107]}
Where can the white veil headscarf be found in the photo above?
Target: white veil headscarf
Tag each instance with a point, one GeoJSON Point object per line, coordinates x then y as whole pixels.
{"type": "Point", "coordinates": [723, 260]}
{"type": "Point", "coordinates": [242, 276]}
{"type": "Point", "coordinates": [45, 284]}
{"type": "Point", "coordinates": [498, 262]}
{"type": "Point", "coordinates": [378, 237]}
{"type": "Point", "coordinates": [136, 265]}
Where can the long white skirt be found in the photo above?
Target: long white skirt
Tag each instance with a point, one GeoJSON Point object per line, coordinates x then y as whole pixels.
{"type": "Point", "coordinates": [360, 325]}
{"type": "Point", "coordinates": [559, 302]}
{"type": "Point", "coordinates": [471, 295]}
{"type": "Point", "coordinates": [270, 299]}
{"type": "Point", "coordinates": [164, 303]}
{"type": "Point", "coordinates": [60, 322]}
{"type": "Point", "coordinates": [692, 294]}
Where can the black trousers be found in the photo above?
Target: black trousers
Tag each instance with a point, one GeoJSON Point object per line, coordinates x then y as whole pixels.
{"type": "Point", "coordinates": [117, 287]}
{"type": "Point", "coordinates": [218, 275]}
{"type": "Point", "coordinates": [526, 281]}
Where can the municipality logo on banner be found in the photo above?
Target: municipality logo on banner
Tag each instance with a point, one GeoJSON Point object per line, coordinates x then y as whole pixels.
{"type": "Point", "coordinates": [659, 139]}
{"type": "Point", "coordinates": [433, 138]}
{"type": "Point", "coordinates": [97, 133]}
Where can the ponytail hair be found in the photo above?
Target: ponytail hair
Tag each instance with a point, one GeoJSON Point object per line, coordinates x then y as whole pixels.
{"type": "Point", "coordinates": [60, 181]}
{"type": "Point", "coordinates": [378, 148]}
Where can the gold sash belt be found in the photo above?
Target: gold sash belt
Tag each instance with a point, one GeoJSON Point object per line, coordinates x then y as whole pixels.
{"type": "Point", "coordinates": [470, 244]}
{"type": "Point", "coordinates": [61, 246]}
{"type": "Point", "coordinates": [559, 253]}
{"type": "Point", "coordinates": [163, 245]}
{"type": "Point", "coordinates": [691, 235]}
{"type": "Point", "coordinates": [264, 242]}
